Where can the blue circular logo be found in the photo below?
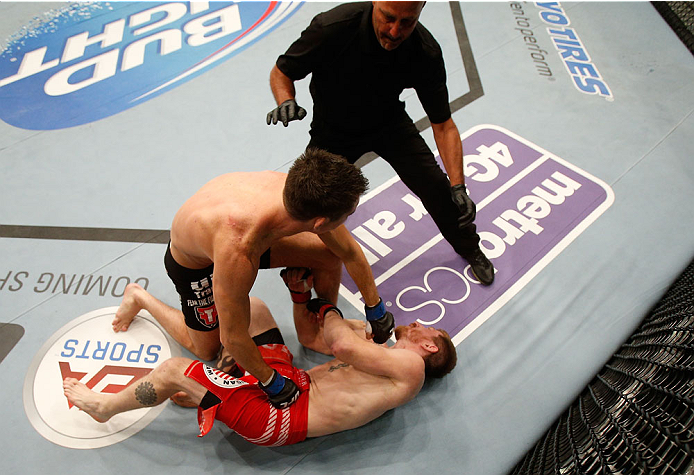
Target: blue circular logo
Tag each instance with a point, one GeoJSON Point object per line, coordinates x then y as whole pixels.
{"type": "Point", "coordinates": [85, 62]}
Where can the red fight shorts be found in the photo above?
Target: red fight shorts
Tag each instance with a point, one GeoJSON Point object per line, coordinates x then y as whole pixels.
{"type": "Point", "coordinates": [245, 408]}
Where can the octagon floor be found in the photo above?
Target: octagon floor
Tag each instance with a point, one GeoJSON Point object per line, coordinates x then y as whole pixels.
{"type": "Point", "coordinates": [93, 201]}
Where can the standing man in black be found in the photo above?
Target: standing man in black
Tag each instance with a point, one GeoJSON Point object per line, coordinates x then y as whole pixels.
{"type": "Point", "coordinates": [361, 57]}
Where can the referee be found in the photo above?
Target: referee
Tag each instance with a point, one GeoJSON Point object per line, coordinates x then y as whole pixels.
{"type": "Point", "coordinates": [361, 57]}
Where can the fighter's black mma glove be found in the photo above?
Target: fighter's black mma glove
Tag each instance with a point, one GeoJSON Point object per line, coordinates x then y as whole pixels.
{"type": "Point", "coordinates": [281, 391]}
{"type": "Point", "coordinates": [321, 306]}
{"type": "Point", "coordinates": [467, 208]}
{"type": "Point", "coordinates": [286, 112]}
{"type": "Point", "coordinates": [382, 323]}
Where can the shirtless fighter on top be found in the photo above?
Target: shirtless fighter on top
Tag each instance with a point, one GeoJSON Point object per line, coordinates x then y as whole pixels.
{"type": "Point", "coordinates": [241, 222]}
{"type": "Point", "coordinates": [364, 381]}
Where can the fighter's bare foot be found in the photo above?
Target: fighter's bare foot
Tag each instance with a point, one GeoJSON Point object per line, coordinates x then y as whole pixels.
{"type": "Point", "coordinates": [183, 399]}
{"type": "Point", "coordinates": [87, 400]}
{"type": "Point", "coordinates": [128, 308]}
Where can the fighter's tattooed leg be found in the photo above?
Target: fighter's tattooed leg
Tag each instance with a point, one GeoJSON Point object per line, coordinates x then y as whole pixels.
{"type": "Point", "coordinates": [145, 394]}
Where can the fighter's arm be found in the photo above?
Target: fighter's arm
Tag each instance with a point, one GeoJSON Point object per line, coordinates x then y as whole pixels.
{"type": "Point", "coordinates": [343, 245]}
{"type": "Point", "coordinates": [308, 327]}
{"type": "Point", "coordinates": [310, 332]}
{"type": "Point", "coordinates": [347, 346]}
{"type": "Point", "coordinates": [450, 148]}
{"type": "Point", "coordinates": [232, 284]}
{"type": "Point", "coordinates": [234, 275]}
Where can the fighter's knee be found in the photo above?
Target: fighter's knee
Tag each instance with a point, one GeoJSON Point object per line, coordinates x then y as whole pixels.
{"type": "Point", "coordinates": [174, 365]}
{"type": "Point", "coordinates": [258, 307]}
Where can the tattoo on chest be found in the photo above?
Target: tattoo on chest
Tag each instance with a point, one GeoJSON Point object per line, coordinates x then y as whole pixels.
{"type": "Point", "coordinates": [145, 394]}
{"type": "Point", "coordinates": [336, 367]}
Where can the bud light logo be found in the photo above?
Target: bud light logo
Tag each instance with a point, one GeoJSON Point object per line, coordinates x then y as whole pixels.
{"type": "Point", "coordinates": [91, 61]}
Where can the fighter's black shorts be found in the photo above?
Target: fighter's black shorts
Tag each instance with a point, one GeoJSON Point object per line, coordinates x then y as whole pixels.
{"type": "Point", "coordinates": [194, 287]}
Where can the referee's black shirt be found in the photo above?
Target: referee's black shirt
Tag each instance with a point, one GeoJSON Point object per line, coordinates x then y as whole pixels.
{"type": "Point", "coordinates": [356, 83]}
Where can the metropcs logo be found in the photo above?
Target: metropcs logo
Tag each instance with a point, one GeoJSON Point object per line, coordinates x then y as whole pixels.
{"type": "Point", "coordinates": [87, 349]}
{"type": "Point", "coordinates": [94, 60]}
{"type": "Point", "coordinates": [531, 205]}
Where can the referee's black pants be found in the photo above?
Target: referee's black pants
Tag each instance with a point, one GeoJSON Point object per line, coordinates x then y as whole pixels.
{"type": "Point", "coordinates": [406, 151]}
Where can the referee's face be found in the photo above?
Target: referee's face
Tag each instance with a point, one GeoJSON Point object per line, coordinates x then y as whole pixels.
{"type": "Point", "coordinates": [394, 21]}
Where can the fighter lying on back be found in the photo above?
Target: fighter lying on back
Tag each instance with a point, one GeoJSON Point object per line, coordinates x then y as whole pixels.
{"type": "Point", "coordinates": [364, 381]}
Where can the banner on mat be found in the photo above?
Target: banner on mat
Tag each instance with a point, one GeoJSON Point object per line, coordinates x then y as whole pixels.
{"type": "Point", "coordinates": [530, 205]}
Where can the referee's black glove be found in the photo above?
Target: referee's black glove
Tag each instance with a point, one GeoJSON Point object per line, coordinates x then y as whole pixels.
{"type": "Point", "coordinates": [467, 208]}
{"type": "Point", "coordinates": [286, 112]}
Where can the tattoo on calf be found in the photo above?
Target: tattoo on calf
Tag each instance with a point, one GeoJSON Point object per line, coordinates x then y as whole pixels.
{"type": "Point", "coordinates": [336, 367]}
{"type": "Point", "coordinates": [145, 394]}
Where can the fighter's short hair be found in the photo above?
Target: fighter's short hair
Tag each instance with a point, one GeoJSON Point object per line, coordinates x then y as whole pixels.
{"type": "Point", "coordinates": [322, 184]}
{"type": "Point", "coordinates": [439, 364]}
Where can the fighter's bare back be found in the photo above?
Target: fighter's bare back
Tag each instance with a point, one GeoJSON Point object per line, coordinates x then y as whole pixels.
{"type": "Point", "coordinates": [235, 209]}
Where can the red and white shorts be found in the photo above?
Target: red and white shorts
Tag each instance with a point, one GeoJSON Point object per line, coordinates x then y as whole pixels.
{"type": "Point", "coordinates": [245, 408]}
